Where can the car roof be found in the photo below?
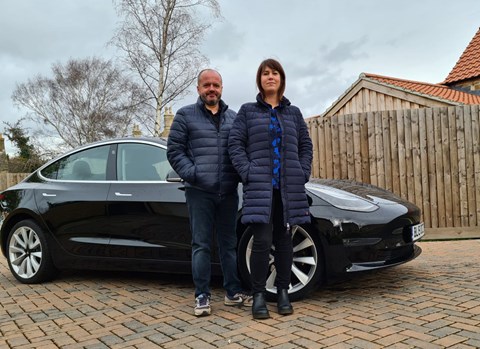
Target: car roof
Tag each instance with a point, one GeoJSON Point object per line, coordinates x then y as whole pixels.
{"type": "Point", "coordinates": [156, 140]}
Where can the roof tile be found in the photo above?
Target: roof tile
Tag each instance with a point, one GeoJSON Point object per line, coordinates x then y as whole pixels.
{"type": "Point", "coordinates": [433, 90]}
{"type": "Point", "coordinates": [468, 65]}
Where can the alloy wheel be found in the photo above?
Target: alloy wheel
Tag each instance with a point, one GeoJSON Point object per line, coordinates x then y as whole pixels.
{"type": "Point", "coordinates": [25, 252]}
{"type": "Point", "coordinates": [305, 261]}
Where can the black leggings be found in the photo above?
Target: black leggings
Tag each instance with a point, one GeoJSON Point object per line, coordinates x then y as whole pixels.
{"type": "Point", "coordinates": [264, 235]}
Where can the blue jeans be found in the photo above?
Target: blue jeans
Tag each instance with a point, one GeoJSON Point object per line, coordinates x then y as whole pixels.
{"type": "Point", "coordinates": [208, 213]}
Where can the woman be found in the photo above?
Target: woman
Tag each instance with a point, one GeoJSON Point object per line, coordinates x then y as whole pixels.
{"type": "Point", "coordinates": [270, 148]}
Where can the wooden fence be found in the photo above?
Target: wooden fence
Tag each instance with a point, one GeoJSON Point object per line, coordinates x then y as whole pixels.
{"type": "Point", "coordinates": [430, 157]}
{"type": "Point", "coordinates": [8, 179]}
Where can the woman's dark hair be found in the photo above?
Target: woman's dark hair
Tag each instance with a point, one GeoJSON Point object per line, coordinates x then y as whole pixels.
{"type": "Point", "coordinates": [275, 65]}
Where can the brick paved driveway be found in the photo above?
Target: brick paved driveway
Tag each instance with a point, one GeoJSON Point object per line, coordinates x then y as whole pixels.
{"type": "Point", "coordinates": [432, 302]}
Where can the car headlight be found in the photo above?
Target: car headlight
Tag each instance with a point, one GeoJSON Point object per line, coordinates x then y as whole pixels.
{"type": "Point", "coordinates": [342, 199]}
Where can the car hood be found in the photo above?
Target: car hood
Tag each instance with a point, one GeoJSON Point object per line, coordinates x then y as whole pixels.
{"type": "Point", "coordinates": [366, 191]}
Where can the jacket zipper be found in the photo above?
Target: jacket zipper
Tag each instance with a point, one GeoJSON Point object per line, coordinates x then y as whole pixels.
{"type": "Point", "coordinates": [283, 190]}
{"type": "Point", "coordinates": [219, 159]}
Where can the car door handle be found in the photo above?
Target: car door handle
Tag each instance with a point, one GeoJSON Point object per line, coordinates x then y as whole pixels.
{"type": "Point", "coordinates": [48, 195]}
{"type": "Point", "coordinates": [122, 194]}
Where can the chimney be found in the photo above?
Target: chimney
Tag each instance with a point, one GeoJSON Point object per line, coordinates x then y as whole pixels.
{"type": "Point", "coordinates": [168, 118]}
{"type": "Point", "coordinates": [136, 131]}
{"type": "Point", "coordinates": [3, 155]}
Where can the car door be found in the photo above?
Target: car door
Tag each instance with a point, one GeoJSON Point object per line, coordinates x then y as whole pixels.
{"type": "Point", "coordinates": [73, 201]}
{"type": "Point", "coordinates": [148, 215]}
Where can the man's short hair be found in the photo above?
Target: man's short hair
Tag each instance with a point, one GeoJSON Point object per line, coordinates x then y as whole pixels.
{"type": "Point", "coordinates": [205, 70]}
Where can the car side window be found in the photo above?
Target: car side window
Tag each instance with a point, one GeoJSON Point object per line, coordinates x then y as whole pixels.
{"type": "Point", "coordinates": [141, 162]}
{"type": "Point", "coordinates": [86, 165]}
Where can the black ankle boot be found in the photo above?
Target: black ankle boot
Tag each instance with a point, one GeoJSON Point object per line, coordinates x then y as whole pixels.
{"type": "Point", "coordinates": [283, 303]}
{"type": "Point", "coordinates": [259, 308]}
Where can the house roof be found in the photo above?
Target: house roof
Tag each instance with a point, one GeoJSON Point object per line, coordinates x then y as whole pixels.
{"type": "Point", "coordinates": [453, 91]}
{"type": "Point", "coordinates": [433, 90]}
{"type": "Point", "coordinates": [468, 65]}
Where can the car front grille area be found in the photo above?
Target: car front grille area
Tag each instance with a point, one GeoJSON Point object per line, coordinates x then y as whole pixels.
{"type": "Point", "coordinates": [379, 256]}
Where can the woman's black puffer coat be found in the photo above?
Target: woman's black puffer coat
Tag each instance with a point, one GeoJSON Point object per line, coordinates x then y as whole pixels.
{"type": "Point", "coordinates": [251, 154]}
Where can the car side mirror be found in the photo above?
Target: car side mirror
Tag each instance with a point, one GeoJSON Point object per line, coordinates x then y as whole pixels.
{"type": "Point", "coordinates": [173, 176]}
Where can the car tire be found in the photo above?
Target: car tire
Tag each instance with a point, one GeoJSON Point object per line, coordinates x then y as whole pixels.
{"type": "Point", "coordinates": [28, 253]}
{"type": "Point", "coordinates": [307, 267]}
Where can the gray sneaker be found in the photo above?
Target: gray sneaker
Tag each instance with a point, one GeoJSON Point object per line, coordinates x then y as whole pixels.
{"type": "Point", "coordinates": [202, 305]}
{"type": "Point", "coordinates": [239, 299]}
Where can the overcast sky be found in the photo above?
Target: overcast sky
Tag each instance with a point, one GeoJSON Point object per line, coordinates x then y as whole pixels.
{"type": "Point", "coordinates": [323, 44]}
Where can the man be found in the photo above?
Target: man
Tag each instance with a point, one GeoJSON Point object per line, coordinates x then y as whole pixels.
{"type": "Point", "coordinates": [197, 150]}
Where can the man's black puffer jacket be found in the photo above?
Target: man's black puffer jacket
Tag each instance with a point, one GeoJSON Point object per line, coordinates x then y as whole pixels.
{"type": "Point", "coordinates": [250, 151]}
{"type": "Point", "coordinates": [198, 152]}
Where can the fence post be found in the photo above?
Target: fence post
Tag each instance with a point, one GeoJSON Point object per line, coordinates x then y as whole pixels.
{"type": "Point", "coordinates": [8, 179]}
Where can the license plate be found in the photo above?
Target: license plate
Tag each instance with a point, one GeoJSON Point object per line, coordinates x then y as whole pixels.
{"type": "Point", "coordinates": [418, 231]}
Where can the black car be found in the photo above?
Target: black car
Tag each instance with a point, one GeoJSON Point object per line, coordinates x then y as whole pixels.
{"type": "Point", "coordinates": [118, 205]}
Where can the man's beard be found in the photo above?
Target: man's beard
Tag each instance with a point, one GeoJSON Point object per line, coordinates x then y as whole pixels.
{"type": "Point", "coordinates": [211, 102]}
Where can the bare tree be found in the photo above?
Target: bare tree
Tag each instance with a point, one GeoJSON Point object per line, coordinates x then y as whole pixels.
{"type": "Point", "coordinates": [85, 101]}
{"type": "Point", "coordinates": [161, 39]}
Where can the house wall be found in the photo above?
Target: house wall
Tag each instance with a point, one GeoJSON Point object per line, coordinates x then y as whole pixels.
{"type": "Point", "coordinates": [429, 156]}
{"type": "Point", "coordinates": [472, 84]}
